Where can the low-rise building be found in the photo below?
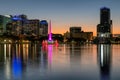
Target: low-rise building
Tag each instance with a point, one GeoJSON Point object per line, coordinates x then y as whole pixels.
{"type": "Point", "coordinates": [77, 34]}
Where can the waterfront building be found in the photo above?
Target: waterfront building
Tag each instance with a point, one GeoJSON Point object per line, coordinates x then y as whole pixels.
{"type": "Point", "coordinates": [58, 37]}
{"type": "Point", "coordinates": [116, 35]}
{"type": "Point", "coordinates": [104, 29]}
{"type": "Point", "coordinates": [66, 36]}
{"type": "Point", "coordinates": [9, 29]}
{"type": "Point", "coordinates": [43, 29]}
{"type": "Point", "coordinates": [19, 23]}
{"type": "Point", "coordinates": [77, 34]}
{"type": "Point", "coordinates": [32, 27]}
{"type": "Point", "coordinates": [75, 29]}
{"type": "Point", "coordinates": [4, 19]}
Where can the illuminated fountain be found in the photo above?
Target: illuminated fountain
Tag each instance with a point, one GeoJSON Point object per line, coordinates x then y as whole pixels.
{"type": "Point", "coordinates": [50, 40]}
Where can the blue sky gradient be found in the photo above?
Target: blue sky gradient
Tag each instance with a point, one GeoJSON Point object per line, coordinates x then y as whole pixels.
{"type": "Point", "coordinates": [64, 13]}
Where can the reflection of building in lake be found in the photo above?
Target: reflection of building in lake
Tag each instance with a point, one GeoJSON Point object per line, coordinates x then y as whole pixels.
{"type": "Point", "coordinates": [44, 57]}
{"type": "Point", "coordinates": [2, 52]}
{"type": "Point", "coordinates": [19, 59]}
{"type": "Point", "coordinates": [75, 55]}
{"type": "Point", "coordinates": [13, 61]}
{"type": "Point", "coordinates": [104, 58]}
{"type": "Point", "coordinates": [50, 54]}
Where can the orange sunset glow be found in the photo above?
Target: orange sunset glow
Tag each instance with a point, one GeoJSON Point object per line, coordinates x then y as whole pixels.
{"type": "Point", "coordinates": [62, 28]}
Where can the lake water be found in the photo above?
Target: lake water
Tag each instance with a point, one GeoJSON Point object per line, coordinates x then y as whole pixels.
{"type": "Point", "coordinates": [62, 62]}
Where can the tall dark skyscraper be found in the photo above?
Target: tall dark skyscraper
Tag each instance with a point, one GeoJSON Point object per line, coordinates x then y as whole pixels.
{"type": "Point", "coordinates": [104, 15]}
{"type": "Point", "coordinates": [104, 29]}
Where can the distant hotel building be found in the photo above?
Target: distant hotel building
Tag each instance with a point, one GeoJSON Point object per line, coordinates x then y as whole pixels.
{"type": "Point", "coordinates": [75, 29]}
{"type": "Point", "coordinates": [76, 34]}
{"type": "Point", "coordinates": [104, 29]}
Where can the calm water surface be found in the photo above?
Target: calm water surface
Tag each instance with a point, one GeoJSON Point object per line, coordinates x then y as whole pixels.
{"type": "Point", "coordinates": [63, 62]}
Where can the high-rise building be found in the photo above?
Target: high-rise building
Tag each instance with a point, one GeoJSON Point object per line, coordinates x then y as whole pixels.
{"type": "Point", "coordinates": [43, 30]}
{"type": "Point", "coordinates": [4, 19]}
{"type": "Point", "coordinates": [32, 27]}
{"type": "Point", "coordinates": [19, 23]}
{"type": "Point", "coordinates": [104, 15]}
{"type": "Point", "coordinates": [9, 28]}
{"type": "Point", "coordinates": [104, 29]}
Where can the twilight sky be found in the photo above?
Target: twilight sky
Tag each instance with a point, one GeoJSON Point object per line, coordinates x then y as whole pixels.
{"type": "Point", "coordinates": [64, 13]}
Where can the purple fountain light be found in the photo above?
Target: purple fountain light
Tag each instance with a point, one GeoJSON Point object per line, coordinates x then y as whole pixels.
{"type": "Point", "coordinates": [50, 40]}
{"type": "Point", "coordinates": [50, 35]}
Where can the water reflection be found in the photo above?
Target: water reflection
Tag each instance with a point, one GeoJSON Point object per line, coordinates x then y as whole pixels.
{"type": "Point", "coordinates": [1, 53]}
{"type": "Point", "coordinates": [17, 67]}
{"type": "Point", "coordinates": [104, 58]}
{"type": "Point", "coordinates": [75, 54]}
{"type": "Point", "coordinates": [46, 56]}
{"type": "Point", "coordinates": [63, 62]}
{"type": "Point", "coordinates": [43, 58]}
{"type": "Point", "coordinates": [17, 57]}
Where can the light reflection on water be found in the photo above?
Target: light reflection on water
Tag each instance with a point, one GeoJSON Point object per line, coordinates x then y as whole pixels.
{"type": "Point", "coordinates": [104, 59]}
{"type": "Point", "coordinates": [63, 62]}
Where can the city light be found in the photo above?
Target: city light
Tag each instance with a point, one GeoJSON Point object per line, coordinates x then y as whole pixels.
{"type": "Point", "coordinates": [15, 18]}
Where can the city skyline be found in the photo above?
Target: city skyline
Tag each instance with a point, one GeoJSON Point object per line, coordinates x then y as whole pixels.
{"type": "Point", "coordinates": [64, 13]}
